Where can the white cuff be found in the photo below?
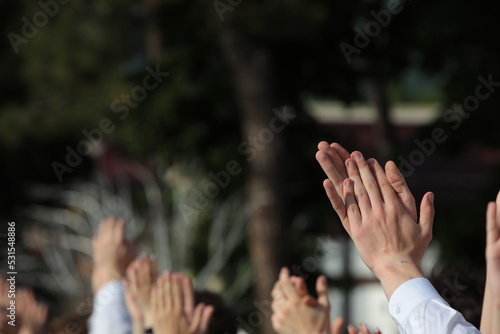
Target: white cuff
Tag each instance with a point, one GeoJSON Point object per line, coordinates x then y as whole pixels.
{"type": "Point", "coordinates": [408, 296]}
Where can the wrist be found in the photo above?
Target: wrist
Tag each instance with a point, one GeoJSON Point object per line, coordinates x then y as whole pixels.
{"type": "Point", "coordinates": [104, 275]}
{"type": "Point", "coordinates": [393, 274]}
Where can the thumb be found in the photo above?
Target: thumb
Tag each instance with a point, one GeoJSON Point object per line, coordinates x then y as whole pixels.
{"type": "Point", "coordinates": [427, 213]}
{"type": "Point", "coordinates": [322, 290]}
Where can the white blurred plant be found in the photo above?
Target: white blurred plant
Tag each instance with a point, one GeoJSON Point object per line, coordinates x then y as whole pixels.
{"type": "Point", "coordinates": [61, 232]}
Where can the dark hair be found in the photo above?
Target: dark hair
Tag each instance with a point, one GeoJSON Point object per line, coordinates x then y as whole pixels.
{"type": "Point", "coordinates": [462, 288]}
{"type": "Point", "coordinates": [223, 319]}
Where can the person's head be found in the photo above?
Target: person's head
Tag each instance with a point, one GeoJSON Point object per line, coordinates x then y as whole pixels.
{"type": "Point", "coordinates": [461, 289]}
{"type": "Point", "coordinates": [223, 319]}
{"type": "Point", "coordinates": [5, 328]}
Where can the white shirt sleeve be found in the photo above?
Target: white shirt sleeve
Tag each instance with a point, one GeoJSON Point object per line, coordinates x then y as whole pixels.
{"type": "Point", "coordinates": [110, 314]}
{"type": "Point", "coordinates": [418, 308]}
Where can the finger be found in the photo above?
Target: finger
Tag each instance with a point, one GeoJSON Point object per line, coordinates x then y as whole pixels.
{"type": "Point", "coordinates": [342, 152]}
{"type": "Point", "coordinates": [331, 169]}
{"type": "Point", "coordinates": [491, 224]}
{"type": "Point", "coordinates": [337, 204]}
{"type": "Point", "coordinates": [188, 296]}
{"type": "Point", "coordinates": [160, 288]}
{"type": "Point", "coordinates": [337, 156]}
{"type": "Point", "coordinates": [363, 329]}
{"type": "Point", "coordinates": [197, 318]}
{"type": "Point", "coordinates": [167, 287]}
{"type": "Point", "coordinates": [284, 274]}
{"type": "Point", "coordinates": [359, 190]}
{"type": "Point", "coordinates": [154, 267]}
{"type": "Point", "coordinates": [119, 230]}
{"type": "Point", "coordinates": [388, 195]}
{"type": "Point", "coordinates": [154, 299]}
{"type": "Point", "coordinates": [398, 182]}
{"type": "Point", "coordinates": [322, 291]}
{"type": "Point", "coordinates": [351, 206]}
{"type": "Point", "coordinates": [177, 298]}
{"type": "Point", "coordinates": [337, 326]}
{"type": "Point", "coordinates": [288, 291]}
{"type": "Point", "coordinates": [369, 182]}
{"type": "Point", "coordinates": [498, 211]}
{"type": "Point", "coordinates": [104, 226]}
{"type": "Point", "coordinates": [427, 214]}
{"type": "Point", "coordinates": [351, 330]}
{"type": "Point", "coordinates": [144, 272]}
{"type": "Point", "coordinates": [133, 280]}
{"type": "Point", "coordinates": [275, 292]}
{"type": "Point", "coordinates": [299, 284]}
{"type": "Point", "coordinates": [309, 301]}
{"type": "Point", "coordinates": [205, 318]}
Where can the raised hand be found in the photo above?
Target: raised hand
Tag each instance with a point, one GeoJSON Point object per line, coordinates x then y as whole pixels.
{"type": "Point", "coordinates": [32, 313]}
{"type": "Point", "coordinates": [134, 310]}
{"type": "Point", "coordinates": [142, 274]}
{"type": "Point", "coordinates": [111, 253]}
{"type": "Point", "coordinates": [490, 319]}
{"type": "Point", "coordinates": [332, 160]}
{"type": "Point", "coordinates": [173, 310]}
{"type": "Point", "coordinates": [493, 246]}
{"type": "Point", "coordinates": [295, 311]}
{"type": "Point", "coordinates": [388, 239]}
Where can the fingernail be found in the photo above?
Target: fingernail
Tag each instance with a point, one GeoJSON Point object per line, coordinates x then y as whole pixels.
{"type": "Point", "coordinates": [357, 156]}
{"type": "Point", "coordinates": [372, 162]}
{"type": "Point", "coordinates": [350, 163]}
{"type": "Point", "coordinates": [348, 183]}
{"type": "Point", "coordinates": [431, 198]}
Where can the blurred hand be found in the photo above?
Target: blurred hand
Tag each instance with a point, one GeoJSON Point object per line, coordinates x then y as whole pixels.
{"type": "Point", "coordinates": [173, 310]}
{"type": "Point", "coordinates": [294, 311]}
{"type": "Point", "coordinates": [493, 247]}
{"type": "Point", "coordinates": [490, 319]}
{"type": "Point", "coordinates": [33, 314]}
{"type": "Point", "coordinates": [112, 253]}
{"type": "Point", "coordinates": [141, 277]}
{"type": "Point", "coordinates": [134, 310]}
{"type": "Point", "coordinates": [339, 322]}
{"type": "Point", "coordinates": [387, 237]}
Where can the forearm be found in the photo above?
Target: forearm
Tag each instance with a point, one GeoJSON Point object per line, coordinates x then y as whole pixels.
{"type": "Point", "coordinates": [487, 312]}
{"type": "Point", "coordinates": [495, 321]}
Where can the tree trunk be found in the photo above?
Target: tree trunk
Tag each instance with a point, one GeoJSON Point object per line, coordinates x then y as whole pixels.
{"type": "Point", "coordinates": [384, 128]}
{"type": "Point", "coordinates": [250, 66]}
